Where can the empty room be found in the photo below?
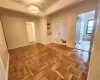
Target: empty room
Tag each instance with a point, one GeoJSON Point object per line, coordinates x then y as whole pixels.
{"type": "Point", "coordinates": [49, 39]}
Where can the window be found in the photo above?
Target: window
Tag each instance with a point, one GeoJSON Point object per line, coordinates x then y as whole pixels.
{"type": "Point", "coordinates": [90, 26]}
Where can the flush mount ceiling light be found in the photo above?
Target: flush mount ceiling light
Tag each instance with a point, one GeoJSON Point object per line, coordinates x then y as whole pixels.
{"type": "Point", "coordinates": [33, 9]}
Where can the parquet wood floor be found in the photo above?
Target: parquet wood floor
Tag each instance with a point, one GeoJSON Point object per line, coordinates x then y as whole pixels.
{"type": "Point", "coordinates": [46, 62]}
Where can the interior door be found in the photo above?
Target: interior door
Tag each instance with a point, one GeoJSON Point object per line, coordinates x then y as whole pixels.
{"type": "Point", "coordinates": [78, 30]}
{"type": "Point", "coordinates": [60, 31]}
{"type": "Point", "coordinates": [56, 39]}
{"type": "Point", "coordinates": [30, 31]}
{"type": "Point", "coordinates": [63, 29]}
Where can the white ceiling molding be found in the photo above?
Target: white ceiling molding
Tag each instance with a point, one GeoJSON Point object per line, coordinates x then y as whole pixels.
{"type": "Point", "coordinates": [8, 4]}
{"type": "Point", "coordinates": [60, 5]}
{"type": "Point", "coordinates": [42, 4]}
{"type": "Point", "coordinates": [17, 7]}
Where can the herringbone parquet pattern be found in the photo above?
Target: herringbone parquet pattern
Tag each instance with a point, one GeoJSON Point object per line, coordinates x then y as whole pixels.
{"type": "Point", "coordinates": [46, 62]}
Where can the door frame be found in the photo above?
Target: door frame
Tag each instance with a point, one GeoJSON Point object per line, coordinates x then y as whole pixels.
{"type": "Point", "coordinates": [93, 31]}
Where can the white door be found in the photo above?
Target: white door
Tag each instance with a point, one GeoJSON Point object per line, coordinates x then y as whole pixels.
{"type": "Point", "coordinates": [60, 31]}
{"type": "Point", "coordinates": [63, 28]}
{"type": "Point", "coordinates": [78, 30]}
{"type": "Point", "coordinates": [56, 32]}
{"type": "Point", "coordinates": [31, 31]}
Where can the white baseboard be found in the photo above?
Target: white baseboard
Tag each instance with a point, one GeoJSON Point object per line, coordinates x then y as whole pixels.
{"type": "Point", "coordinates": [7, 69]}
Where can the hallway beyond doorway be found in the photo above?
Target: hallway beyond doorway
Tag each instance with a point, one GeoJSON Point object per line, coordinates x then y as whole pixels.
{"type": "Point", "coordinates": [84, 29]}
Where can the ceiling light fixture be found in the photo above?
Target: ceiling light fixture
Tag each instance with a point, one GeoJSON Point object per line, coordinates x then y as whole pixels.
{"type": "Point", "coordinates": [33, 9]}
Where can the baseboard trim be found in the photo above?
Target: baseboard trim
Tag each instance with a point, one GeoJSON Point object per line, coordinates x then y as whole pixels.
{"type": "Point", "coordinates": [7, 69]}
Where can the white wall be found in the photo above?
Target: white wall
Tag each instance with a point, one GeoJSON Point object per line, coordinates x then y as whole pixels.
{"type": "Point", "coordinates": [94, 69]}
{"type": "Point", "coordinates": [42, 24]}
{"type": "Point", "coordinates": [2, 72]}
{"type": "Point", "coordinates": [3, 54]}
{"type": "Point", "coordinates": [15, 30]}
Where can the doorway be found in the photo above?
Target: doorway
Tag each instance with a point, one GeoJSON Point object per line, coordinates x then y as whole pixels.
{"type": "Point", "coordinates": [84, 28]}
{"type": "Point", "coordinates": [31, 32]}
{"type": "Point", "coordinates": [60, 31]}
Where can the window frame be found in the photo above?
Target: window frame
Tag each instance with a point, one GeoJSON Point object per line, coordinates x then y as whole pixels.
{"type": "Point", "coordinates": [88, 26]}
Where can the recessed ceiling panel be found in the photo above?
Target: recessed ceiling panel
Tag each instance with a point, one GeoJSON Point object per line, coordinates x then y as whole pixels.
{"type": "Point", "coordinates": [42, 4]}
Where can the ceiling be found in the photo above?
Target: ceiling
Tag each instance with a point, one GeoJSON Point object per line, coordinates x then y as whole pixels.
{"type": "Point", "coordinates": [46, 7]}
{"type": "Point", "coordinates": [42, 4]}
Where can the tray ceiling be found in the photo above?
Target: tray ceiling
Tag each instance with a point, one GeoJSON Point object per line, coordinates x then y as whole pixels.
{"type": "Point", "coordinates": [42, 4]}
